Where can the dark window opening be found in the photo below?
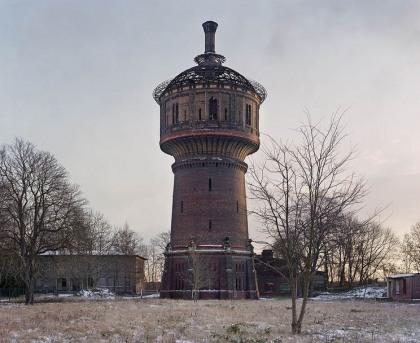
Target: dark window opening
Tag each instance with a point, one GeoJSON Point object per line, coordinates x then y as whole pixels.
{"type": "Point", "coordinates": [213, 109]}
{"type": "Point", "coordinates": [199, 114]}
{"type": "Point", "coordinates": [210, 185]}
{"type": "Point", "coordinates": [173, 114]}
{"type": "Point", "coordinates": [248, 115]}
{"type": "Point", "coordinates": [210, 224]}
{"type": "Point", "coordinates": [237, 206]}
{"type": "Point", "coordinates": [182, 207]}
{"type": "Point", "coordinates": [225, 113]}
{"type": "Point", "coordinates": [404, 287]}
{"type": "Point", "coordinates": [63, 283]}
{"type": "Point", "coordinates": [176, 113]}
{"type": "Point", "coordinates": [90, 282]}
{"type": "Point", "coordinates": [185, 115]}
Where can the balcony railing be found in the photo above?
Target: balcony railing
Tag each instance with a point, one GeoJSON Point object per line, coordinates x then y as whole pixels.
{"type": "Point", "coordinates": [208, 124]}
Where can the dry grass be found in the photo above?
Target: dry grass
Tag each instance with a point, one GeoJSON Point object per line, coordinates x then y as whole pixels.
{"type": "Point", "coordinates": [155, 320]}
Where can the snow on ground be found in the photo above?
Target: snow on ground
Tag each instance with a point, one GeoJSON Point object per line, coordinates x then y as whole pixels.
{"type": "Point", "coordinates": [96, 293]}
{"type": "Point", "coordinates": [368, 292]}
{"type": "Point", "coordinates": [155, 295]}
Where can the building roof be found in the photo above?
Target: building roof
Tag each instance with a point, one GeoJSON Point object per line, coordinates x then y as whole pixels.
{"type": "Point", "coordinates": [210, 69]}
{"type": "Point", "coordinates": [92, 255]}
{"type": "Point", "coordinates": [400, 276]}
{"type": "Point", "coordinates": [205, 73]}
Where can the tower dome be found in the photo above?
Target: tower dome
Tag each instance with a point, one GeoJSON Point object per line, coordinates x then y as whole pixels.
{"type": "Point", "coordinates": [209, 123]}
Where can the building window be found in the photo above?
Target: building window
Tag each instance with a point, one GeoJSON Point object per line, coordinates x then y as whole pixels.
{"type": "Point", "coordinates": [185, 115]}
{"type": "Point", "coordinates": [182, 207]}
{"type": "Point", "coordinates": [237, 206]}
{"type": "Point", "coordinates": [63, 283]}
{"type": "Point", "coordinates": [175, 113]}
{"type": "Point", "coordinates": [90, 282]}
{"type": "Point", "coordinates": [213, 109]}
{"type": "Point", "coordinates": [199, 114]}
{"type": "Point", "coordinates": [210, 185]}
{"type": "Point", "coordinates": [248, 115]}
{"type": "Point", "coordinates": [404, 286]}
{"type": "Point", "coordinates": [210, 224]}
{"type": "Point", "coordinates": [226, 114]}
{"type": "Point", "coordinates": [239, 284]}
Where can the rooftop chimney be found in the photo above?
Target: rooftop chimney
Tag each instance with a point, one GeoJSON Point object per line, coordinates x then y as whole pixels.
{"type": "Point", "coordinates": [210, 28]}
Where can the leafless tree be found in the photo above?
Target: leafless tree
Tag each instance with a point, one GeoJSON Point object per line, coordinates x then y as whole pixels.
{"type": "Point", "coordinates": [154, 252]}
{"type": "Point", "coordinates": [126, 241]}
{"type": "Point", "coordinates": [410, 249]}
{"type": "Point", "coordinates": [97, 235]}
{"type": "Point", "coordinates": [198, 275]}
{"type": "Point", "coordinates": [358, 251]}
{"type": "Point", "coordinates": [38, 206]}
{"type": "Point", "coordinates": [301, 189]}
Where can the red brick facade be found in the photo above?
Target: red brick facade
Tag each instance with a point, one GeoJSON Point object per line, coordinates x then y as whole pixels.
{"type": "Point", "coordinates": [209, 123]}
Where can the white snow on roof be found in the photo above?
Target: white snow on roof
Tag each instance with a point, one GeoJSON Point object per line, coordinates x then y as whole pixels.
{"type": "Point", "coordinates": [398, 276]}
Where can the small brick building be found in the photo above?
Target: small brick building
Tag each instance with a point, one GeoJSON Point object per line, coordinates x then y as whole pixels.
{"type": "Point", "coordinates": [404, 286]}
{"type": "Point", "coordinates": [269, 275]}
{"type": "Point", "coordinates": [122, 274]}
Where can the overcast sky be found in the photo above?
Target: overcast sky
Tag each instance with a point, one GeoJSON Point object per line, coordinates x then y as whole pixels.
{"type": "Point", "coordinates": [76, 79]}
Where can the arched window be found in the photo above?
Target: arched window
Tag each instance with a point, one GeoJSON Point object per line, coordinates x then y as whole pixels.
{"type": "Point", "coordinates": [213, 109]}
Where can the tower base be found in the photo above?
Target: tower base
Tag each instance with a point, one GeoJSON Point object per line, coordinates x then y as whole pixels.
{"type": "Point", "coordinates": [204, 273]}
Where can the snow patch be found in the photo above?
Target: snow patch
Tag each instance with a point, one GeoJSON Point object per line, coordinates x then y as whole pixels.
{"type": "Point", "coordinates": [96, 293]}
{"type": "Point", "coordinates": [368, 292]}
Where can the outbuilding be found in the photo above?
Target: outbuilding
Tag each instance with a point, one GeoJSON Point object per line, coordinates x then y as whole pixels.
{"type": "Point", "coordinates": [404, 286]}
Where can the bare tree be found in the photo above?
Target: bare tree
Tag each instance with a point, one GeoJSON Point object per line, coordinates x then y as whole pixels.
{"type": "Point", "coordinates": [154, 252]}
{"type": "Point", "coordinates": [410, 249]}
{"type": "Point", "coordinates": [358, 251]}
{"type": "Point", "coordinates": [97, 235]}
{"type": "Point", "coordinates": [301, 191]}
{"type": "Point", "coordinates": [38, 206]}
{"type": "Point", "coordinates": [126, 241]}
{"type": "Point", "coordinates": [199, 271]}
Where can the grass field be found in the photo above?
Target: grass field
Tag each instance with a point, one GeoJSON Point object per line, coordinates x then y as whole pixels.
{"type": "Point", "coordinates": [155, 320]}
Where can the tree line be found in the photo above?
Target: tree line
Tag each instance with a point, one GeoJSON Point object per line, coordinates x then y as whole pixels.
{"type": "Point", "coordinates": [43, 212]}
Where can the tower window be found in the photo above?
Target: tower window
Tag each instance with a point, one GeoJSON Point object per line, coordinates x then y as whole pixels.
{"type": "Point", "coordinates": [225, 113]}
{"type": "Point", "coordinates": [210, 185]}
{"type": "Point", "coordinates": [248, 115]}
{"type": "Point", "coordinates": [182, 207]}
{"type": "Point", "coordinates": [210, 224]}
{"type": "Point", "coordinates": [213, 108]}
{"type": "Point", "coordinates": [237, 206]}
{"type": "Point", "coordinates": [199, 114]}
{"type": "Point", "coordinates": [175, 113]}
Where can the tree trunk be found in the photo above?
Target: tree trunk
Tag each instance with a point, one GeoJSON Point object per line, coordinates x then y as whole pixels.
{"type": "Point", "coordinates": [293, 291]}
{"type": "Point", "coordinates": [305, 286]}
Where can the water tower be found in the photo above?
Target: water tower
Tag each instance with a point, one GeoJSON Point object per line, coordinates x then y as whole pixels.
{"type": "Point", "coordinates": [209, 118]}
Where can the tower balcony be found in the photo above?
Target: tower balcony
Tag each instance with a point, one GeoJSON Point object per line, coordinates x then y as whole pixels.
{"type": "Point", "coordinates": [209, 137]}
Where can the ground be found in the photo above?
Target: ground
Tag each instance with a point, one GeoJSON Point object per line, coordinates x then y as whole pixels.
{"type": "Point", "coordinates": [154, 320]}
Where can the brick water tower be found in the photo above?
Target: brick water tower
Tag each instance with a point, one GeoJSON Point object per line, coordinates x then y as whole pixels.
{"type": "Point", "coordinates": [209, 123]}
